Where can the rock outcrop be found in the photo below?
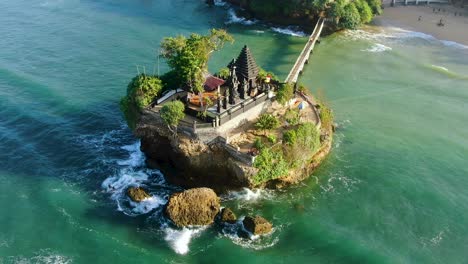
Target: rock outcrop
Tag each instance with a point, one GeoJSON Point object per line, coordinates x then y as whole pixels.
{"type": "Point", "coordinates": [137, 194]}
{"type": "Point", "coordinates": [188, 162]}
{"type": "Point", "coordinates": [197, 206]}
{"type": "Point", "coordinates": [257, 225]}
{"type": "Point", "coordinates": [228, 216]}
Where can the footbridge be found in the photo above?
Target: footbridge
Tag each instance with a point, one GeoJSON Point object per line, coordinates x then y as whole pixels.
{"type": "Point", "coordinates": [417, 2]}
{"type": "Point", "coordinates": [305, 54]}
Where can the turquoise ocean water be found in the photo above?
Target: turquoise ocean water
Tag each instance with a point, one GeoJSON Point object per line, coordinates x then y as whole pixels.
{"type": "Point", "coordinates": [393, 190]}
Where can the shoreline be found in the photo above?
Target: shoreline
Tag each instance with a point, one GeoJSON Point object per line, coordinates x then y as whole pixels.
{"type": "Point", "coordinates": [424, 19]}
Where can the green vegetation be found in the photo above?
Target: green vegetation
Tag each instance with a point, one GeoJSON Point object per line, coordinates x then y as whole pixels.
{"type": "Point", "coordinates": [223, 73]}
{"type": "Point", "coordinates": [300, 143]}
{"type": "Point", "coordinates": [141, 92]}
{"type": "Point", "coordinates": [262, 74]}
{"type": "Point", "coordinates": [285, 93]}
{"type": "Point", "coordinates": [270, 164]}
{"type": "Point", "coordinates": [266, 122]}
{"type": "Point", "coordinates": [292, 116]}
{"type": "Point", "coordinates": [143, 89]}
{"type": "Point", "coordinates": [326, 116]}
{"type": "Point", "coordinates": [188, 57]}
{"type": "Point", "coordinates": [172, 113]}
{"type": "Point", "coordinates": [290, 137]}
{"type": "Point", "coordinates": [345, 13]}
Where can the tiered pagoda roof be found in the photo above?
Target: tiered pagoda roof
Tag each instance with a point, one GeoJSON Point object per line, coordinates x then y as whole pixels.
{"type": "Point", "coordinates": [246, 66]}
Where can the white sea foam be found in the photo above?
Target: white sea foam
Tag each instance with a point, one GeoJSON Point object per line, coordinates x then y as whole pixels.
{"type": "Point", "coordinates": [440, 68]}
{"type": "Point", "coordinates": [136, 158]}
{"type": "Point", "coordinates": [454, 44]}
{"type": "Point", "coordinates": [219, 3]}
{"type": "Point", "coordinates": [241, 237]}
{"type": "Point", "coordinates": [179, 240]}
{"type": "Point", "coordinates": [248, 195]}
{"type": "Point", "coordinates": [289, 31]}
{"type": "Point", "coordinates": [44, 256]}
{"type": "Point", "coordinates": [234, 19]}
{"type": "Point", "coordinates": [377, 48]}
{"type": "Point", "coordinates": [148, 204]}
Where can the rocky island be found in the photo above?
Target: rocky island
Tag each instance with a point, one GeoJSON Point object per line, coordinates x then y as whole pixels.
{"type": "Point", "coordinates": [240, 127]}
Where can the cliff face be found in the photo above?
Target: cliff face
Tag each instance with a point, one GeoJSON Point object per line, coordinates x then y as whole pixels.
{"type": "Point", "coordinates": [188, 162]}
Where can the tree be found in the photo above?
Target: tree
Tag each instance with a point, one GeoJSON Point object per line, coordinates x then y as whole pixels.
{"type": "Point", "coordinates": [365, 12]}
{"type": "Point", "coordinates": [266, 122]}
{"type": "Point", "coordinates": [172, 113]}
{"type": "Point", "coordinates": [376, 6]}
{"type": "Point", "coordinates": [188, 57]}
{"type": "Point", "coordinates": [351, 18]}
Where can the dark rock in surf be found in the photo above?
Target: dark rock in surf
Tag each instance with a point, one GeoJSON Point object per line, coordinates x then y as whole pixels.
{"type": "Point", "coordinates": [197, 206]}
{"type": "Point", "coordinates": [228, 216]}
{"type": "Point", "coordinates": [137, 194]}
{"type": "Point", "coordinates": [257, 225]}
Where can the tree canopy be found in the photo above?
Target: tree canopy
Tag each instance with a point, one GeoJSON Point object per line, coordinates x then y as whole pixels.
{"type": "Point", "coordinates": [172, 113]}
{"type": "Point", "coordinates": [341, 11]}
{"type": "Point", "coordinates": [188, 57]}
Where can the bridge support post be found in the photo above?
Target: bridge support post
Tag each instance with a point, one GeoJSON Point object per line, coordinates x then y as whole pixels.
{"type": "Point", "coordinates": [393, 3]}
{"type": "Point", "coordinates": [406, 2]}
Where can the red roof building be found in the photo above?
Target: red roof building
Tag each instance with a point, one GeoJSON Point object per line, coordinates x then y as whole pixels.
{"type": "Point", "coordinates": [212, 83]}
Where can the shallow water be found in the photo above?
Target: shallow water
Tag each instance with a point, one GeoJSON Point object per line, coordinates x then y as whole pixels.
{"type": "Point", "coordinates": [392, 191]}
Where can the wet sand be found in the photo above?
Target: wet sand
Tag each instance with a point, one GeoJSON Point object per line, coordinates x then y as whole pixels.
{"type": "Point", "coordinates": [455, 27]}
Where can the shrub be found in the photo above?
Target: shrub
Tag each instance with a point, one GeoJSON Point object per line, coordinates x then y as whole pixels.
{"type": "Point", "coordinates": [292, 116]}
{"type": "Point", "coordinates": [307, 136]}
{"type": "Point", "coordinates": [142, 90]}
{"type": "Point", "coordinates": [130, 112]}
{"type": "Point", "coordinates": [258, 144]}
{"type": "Point", "coordinates": [285, 93]}
{"type": "Point", "coordinates": [272, 139]}
{"type": "Point", "coordinates": [300, 143]}
{"type": "Point", "coordinates": [271, 165]}
{"type": "Point", "coordinates": [267, 122]}
{"type": "Point", "coordinates": [289, 137]}
{"type": "Point", "coordinates": [326, 116]}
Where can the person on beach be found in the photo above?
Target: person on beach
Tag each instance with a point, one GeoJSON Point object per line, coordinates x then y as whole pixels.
{"type": "Point", "coordinates": [419, 18]}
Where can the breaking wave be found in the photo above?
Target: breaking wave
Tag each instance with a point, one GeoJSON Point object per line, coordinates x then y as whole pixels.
{"type": "Point", "coordinates": [377, 48]}
{"type": "Point", "coordinates": [289, 31]}
{"type": "Point", "coordinates": [179, 239]}
{"type": "Point", "coordinates": [133, 174]}
{"type": "Point", "coordinates": [241, 237]}
{"type": "Point", "coordinates": [233, 18]}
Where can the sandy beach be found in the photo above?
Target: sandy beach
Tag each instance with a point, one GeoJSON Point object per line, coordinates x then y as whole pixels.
{"type": "Point", "coordinates": [425, 19]}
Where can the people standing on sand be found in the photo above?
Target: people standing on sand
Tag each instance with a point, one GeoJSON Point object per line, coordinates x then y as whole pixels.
{"type": "Point", "coordinates": [419, 18]}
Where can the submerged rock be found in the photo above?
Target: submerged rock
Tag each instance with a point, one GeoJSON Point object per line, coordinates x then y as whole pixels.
{"type": "Point", "coordinates": [257, 225]}
{"type": "Point", "coordinates": [137, 194]}
{"type": "Point", "coordinates": [197, 206]}
{"type": "Point", "coordinates": [228, 216]}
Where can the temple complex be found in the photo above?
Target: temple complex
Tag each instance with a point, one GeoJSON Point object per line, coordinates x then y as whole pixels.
{"type": "Point", "coordinates": [224, 99]}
